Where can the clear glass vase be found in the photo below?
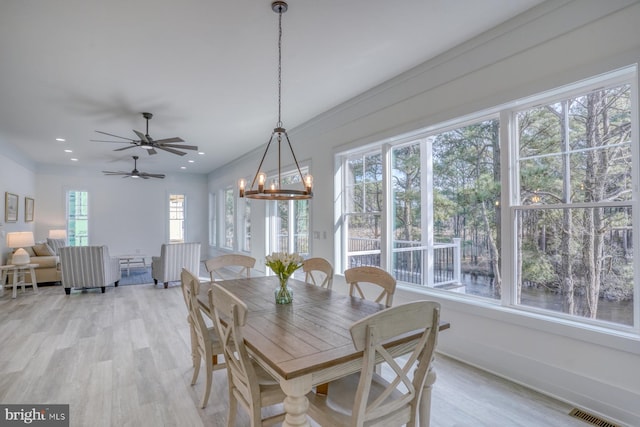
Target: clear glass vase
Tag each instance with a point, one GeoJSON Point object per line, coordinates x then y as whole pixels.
{"type": "Point", "coordinates": [284, 294]}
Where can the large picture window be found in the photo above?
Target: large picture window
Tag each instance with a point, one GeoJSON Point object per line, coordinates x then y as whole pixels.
{"type": "Point", "coordinates": [176, 218]}
{"type": "Point", "coordinates": [229, 220]}
{"type": "Point", "coordinates": [574, 215]}
{"type": "Point", "coordinates": [533, 206]}
{"type": "Point", "coordinates": [363, 208]}
{"type": "Point", "coordinates": [78, 218]}
{"type": "Point", "coordinates": [289, 221]}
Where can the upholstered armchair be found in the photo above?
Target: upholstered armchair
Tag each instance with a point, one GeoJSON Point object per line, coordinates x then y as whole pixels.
{"type": "Point", "coordinates": [173, 258]}
{"type": "Point", "coordinates": [88, 267]}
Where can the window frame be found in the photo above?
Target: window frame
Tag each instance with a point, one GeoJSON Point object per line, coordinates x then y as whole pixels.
{"type": "Point", "coordinates": [505, 307]}
{"type": "Point", "coordinates": [67, 218]}
{"type": "Point", "coordinates": [183, 221]}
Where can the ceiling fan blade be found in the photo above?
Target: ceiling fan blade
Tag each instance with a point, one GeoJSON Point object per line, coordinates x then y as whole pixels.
{"type": "Point", "coordinates": [168, 140]}
{"type": "Point", "coordinates": [126, 148]}
{"type": "Point", "coordinates": [142, 136]}
{"type": "Point", "coordinates": [171, 150]}
{"type": "Point", "coordinates": [115, 136]}
{"type": "Point", "coordinates": [184, 147]}
{"type": "Point", "coordinates": [115, 173]}
{"type": "Point", "coordinates": [113, 142]}
{"type": "Point", "coordinates": [152, 175]}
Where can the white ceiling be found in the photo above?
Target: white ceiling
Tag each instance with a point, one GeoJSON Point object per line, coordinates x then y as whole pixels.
{"type": "Point", "coordinates": [206, 69]}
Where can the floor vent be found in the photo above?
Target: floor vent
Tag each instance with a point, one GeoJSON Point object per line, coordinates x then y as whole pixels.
{"type": "Point", "coordinates": [591, 419]}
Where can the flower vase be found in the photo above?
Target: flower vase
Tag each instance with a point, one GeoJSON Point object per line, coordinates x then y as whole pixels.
{"type": "Point", "coordinates": [284, 294]}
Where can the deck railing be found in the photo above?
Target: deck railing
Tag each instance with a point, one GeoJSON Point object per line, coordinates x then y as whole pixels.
{"type": "Point", "coordinates": [409, 260]}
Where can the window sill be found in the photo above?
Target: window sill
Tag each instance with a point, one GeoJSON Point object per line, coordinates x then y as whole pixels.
{"type": "Point", "coordinates": [622, 340]}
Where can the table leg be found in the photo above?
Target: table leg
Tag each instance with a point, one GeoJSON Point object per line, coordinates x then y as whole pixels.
{"type": "Point", "coordinates": [424, 409]}
{"type": "Point", "coordinates": [3, 280]}
{"type": "Point", "coordinates": [34, 282]}
{"type": "Point", "coordinates": [296, 402]}
{"type": "Point", "coordinates": [14, 294]}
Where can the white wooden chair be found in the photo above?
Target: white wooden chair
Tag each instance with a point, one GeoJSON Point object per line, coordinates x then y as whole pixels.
{"type": "Point", "coordinates": [249, 384]}
{"type": "Point", "coordinates": [218, 265]}
{"type": "Point", "coordinates": [205, 344]}
{"type": "Point", "coordinates": [365, 398]}
{"type": "Point", "coordinates": [316, 269]}
{"type": "Point", "coordinates": [377, 276]}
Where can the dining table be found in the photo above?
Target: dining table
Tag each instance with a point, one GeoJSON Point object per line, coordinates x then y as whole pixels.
{"type": "Point", "coordinates": [307, 343]}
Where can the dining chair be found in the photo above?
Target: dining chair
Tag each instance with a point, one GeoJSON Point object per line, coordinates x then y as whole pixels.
{"type": "Point", "coordinates": [377, 276]}
{"type": "Point", "coordinates": [217, 265]}
{"type": "Point", "coordinates": [249, 384]}
{"type": "Point", "coordinates": [366, 398]}
{"type": "Point", "coordinates": [205, 343]}
{"type": "Point", "coordinates": [312, 266]}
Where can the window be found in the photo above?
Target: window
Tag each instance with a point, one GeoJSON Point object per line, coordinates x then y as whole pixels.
{"type": "Point", "coordinates": [289, 221]}
{"type": "Point", "coordinates": [363, 208]}
{"type": "Point", "coordinates": [245, 210]}
{"type": "Point", "coordinates": [78, 218]}
{"type": "Point", "coordinates": [574, 213]}
{"type": "Point", "coordinates": [466, 209]}
{"type": "Point", "coordinates": [229, 221]}
{"type": "Point", "coordinates": [176, 217]}
{"type": "Point", "coordinates": [213, 226]}
{"type": "Point", "coordinates": [532, 207]}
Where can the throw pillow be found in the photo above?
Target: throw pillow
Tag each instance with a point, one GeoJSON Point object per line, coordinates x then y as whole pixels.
{"type": "Point", "coordinates": [56, 244]}
{"type": "Point", "coordinates": [42, 249]}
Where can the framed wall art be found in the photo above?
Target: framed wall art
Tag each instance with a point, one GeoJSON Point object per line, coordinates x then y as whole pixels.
{"type": "Point", "coordinates": [29, 205]}
{"type": "Point", "coordinates": [10, 207]}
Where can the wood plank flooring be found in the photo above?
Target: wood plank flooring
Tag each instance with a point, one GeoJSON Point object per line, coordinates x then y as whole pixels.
{"type": "Point", "coordinates": [123, 359]}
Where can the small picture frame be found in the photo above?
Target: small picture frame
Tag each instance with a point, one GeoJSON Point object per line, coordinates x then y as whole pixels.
{"type": "Point", "coordinates": [29, 205]}
{"type": "Point", "coordinates": [10, 207]}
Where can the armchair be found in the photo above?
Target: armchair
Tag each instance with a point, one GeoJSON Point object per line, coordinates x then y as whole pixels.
{"type": "Point", "coordinates": [88, 267]}
{"type": "Point", "coordinates": [173, 258]}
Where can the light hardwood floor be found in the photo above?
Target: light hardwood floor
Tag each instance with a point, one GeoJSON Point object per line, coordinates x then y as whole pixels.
{"type": "Point", "coordinates": [122, 359]}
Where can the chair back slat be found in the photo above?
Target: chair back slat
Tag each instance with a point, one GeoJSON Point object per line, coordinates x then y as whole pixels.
{"type": "Point", "coordinates": [319, 272]}
{"type": "Point", "coordinates": [230, 316]}
{"type": "Point", "coordinates": [371, 334]}
{"type": "Point", "coordinates": [218, 265]}
{"type": "Point", "coordinates": [374, 275]}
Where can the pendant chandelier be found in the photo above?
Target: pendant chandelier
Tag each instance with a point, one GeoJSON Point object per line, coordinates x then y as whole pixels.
{"type": "Point", "coordinates": [275, 190]}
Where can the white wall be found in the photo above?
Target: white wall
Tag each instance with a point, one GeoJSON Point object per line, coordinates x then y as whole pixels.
{"type": "Point", "coordinates": [557, 43]}
{"type": "Point", "coordinates": [17, 177]}
{"type": "Point", "coordinates": [128, 215]}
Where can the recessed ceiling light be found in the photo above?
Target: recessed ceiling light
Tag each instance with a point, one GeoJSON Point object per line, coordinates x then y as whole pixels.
{"type": "Point", "coordinates": [73, 159]}
{"type": "Point", "coordinates": [68, 151]}
{"type": "Point", "coordinates": [60, 139]}
{"type": "Point", "coordinates": [201, 153]}
{"type": "Point", "coordinates": [183, 167]}
{"type": "Point", "coordinates": [191, 161]}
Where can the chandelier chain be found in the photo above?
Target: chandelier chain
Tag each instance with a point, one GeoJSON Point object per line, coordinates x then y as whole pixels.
{"type": "Point", "coordinates": [279, 67]}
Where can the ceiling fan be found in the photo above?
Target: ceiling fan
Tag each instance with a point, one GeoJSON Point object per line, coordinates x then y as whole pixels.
{"type": "Point", "coordinates": [135, 173]}
{"type": "Point", "coordinates": [148, 143]}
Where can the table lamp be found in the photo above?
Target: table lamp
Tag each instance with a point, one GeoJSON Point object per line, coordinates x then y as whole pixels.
{"type": "Point", "coordinates": [58, 234]}
{"type": "Point", "coordinates": [20, 240]}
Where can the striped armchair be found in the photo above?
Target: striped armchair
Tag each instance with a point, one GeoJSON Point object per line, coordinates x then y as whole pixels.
{"type": "Point", "coordinates": [173, 258]}
{"type": "Point", "coordinates": [88, 267]}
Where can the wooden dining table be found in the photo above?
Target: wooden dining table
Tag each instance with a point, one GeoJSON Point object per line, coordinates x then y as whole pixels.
{"type": "Point", "coordinates": [306, 343]}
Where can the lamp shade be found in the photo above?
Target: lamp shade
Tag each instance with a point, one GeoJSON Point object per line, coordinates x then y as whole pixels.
{"type": "Point", "coordinates": [58, 234]}
{"type": "Point", "coordinates": [20, 239]}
